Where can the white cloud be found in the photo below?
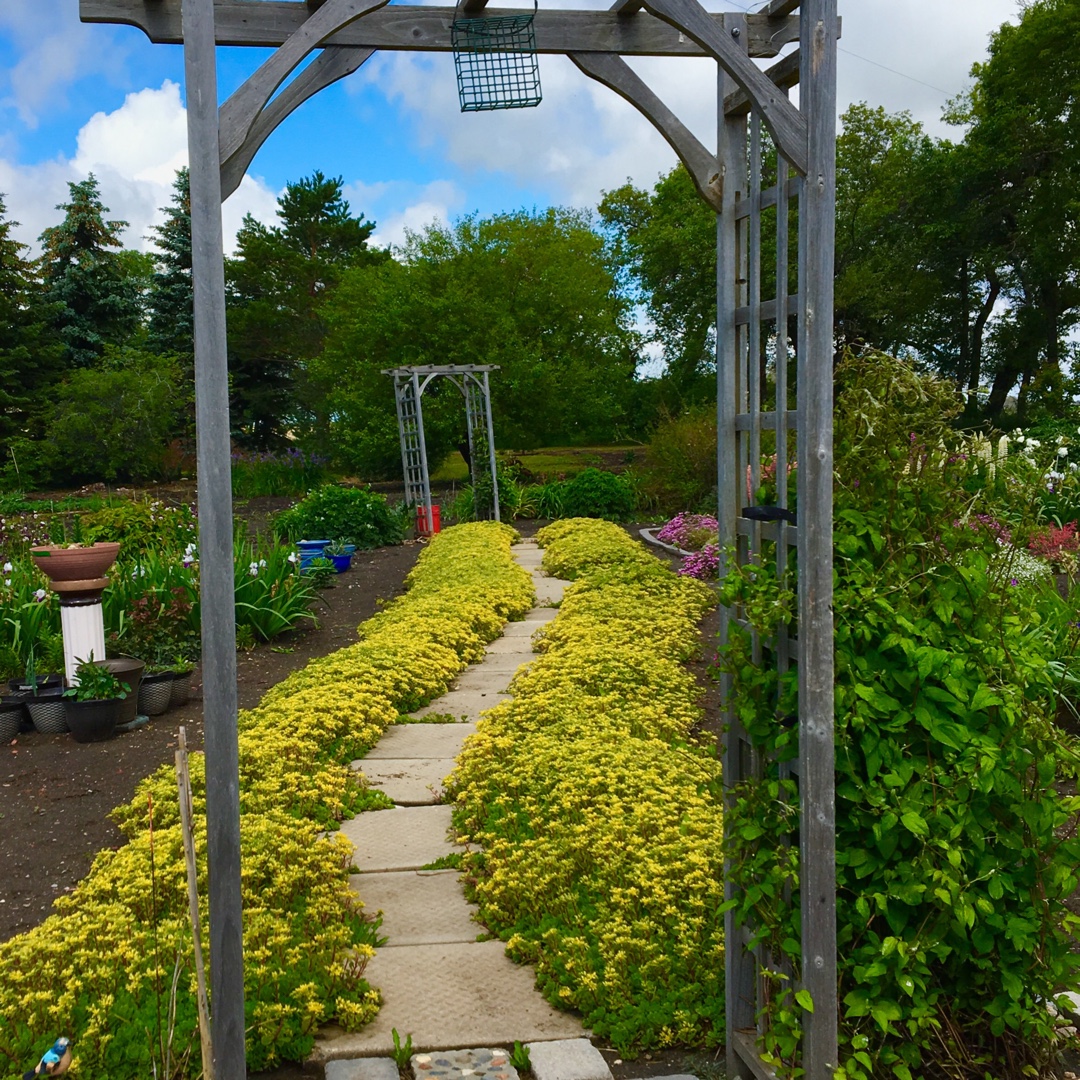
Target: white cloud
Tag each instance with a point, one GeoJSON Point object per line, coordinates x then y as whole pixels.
{"type": "Point", "coordinates": [134, 151]}
{"type": "Point", "coordinates": [583, 138]}
{"type": "Point", "coordinates": [55, 51]}
{"type": "Point", "coordinates": [397, 206]}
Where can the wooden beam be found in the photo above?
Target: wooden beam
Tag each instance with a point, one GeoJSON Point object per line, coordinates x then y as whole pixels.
{"type": "Point", "coordinates": [785, 75]}
{"type": "Point", "coordinates": [626, 7]}
{"type": "Point", "coordinates": [784, 121]}
{"type": "Point", "coordinates": [244, 105]}
{"type": "Point", "coordinates": [777, 9]}
{"type": "Point", "coordinates": [332, 64]}
{"type": "Point", "coordinates": [269, 23]}
{"type": "Point", "coordinates": [615, 73]}
{"type": "Point", "coordinates": [472, 7]}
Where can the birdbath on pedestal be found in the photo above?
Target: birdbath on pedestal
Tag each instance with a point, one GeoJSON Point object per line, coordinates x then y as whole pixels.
{"type": "Point", "coordinates": [77, 575]}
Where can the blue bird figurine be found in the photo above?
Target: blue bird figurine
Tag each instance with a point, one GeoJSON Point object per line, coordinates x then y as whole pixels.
{"type": "Point", "coordinates": [54, 1061]}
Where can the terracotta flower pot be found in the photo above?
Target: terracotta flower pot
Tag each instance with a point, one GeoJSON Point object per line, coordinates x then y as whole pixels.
{"type": "Point", "coordinates": [74, 563]}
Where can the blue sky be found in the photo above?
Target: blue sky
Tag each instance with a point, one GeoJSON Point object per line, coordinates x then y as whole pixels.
{"type": "Point", "coordinates": [76, 98]}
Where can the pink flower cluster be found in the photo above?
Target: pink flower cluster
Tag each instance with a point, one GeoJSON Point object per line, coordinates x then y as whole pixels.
{"type": "Point", "coordinates": [703, 565]}
{"type": "Point", "coordinates": [691, 532]}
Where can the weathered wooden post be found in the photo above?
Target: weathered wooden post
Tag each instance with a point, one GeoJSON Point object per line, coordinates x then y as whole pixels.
{"type": "Point", "coordinates": [215, 544]}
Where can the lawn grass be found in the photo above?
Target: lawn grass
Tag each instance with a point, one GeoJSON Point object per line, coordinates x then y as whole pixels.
{"type": "Point", "coordinates": [545, 461]}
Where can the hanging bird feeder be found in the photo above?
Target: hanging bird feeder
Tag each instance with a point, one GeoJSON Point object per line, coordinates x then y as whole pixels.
{"type": "Point", "coordinates": [495, 59]}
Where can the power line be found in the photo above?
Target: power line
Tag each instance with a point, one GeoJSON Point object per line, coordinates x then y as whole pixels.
{"type": "Point", "coordinates": [902, 74]}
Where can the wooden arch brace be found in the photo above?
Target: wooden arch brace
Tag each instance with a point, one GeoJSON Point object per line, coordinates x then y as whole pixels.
{"type": "Point", "coordinates": [335, 62]}
{"type": "Point", "coordinates": [239, 113]}
{"type": "Point", "coordinates": [786, 124]}
{"type": "Point", "coordinates": [614, 72]}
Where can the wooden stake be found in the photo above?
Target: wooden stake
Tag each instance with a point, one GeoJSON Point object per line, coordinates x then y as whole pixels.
{"type": "Point", "coordinates": [183, 781]}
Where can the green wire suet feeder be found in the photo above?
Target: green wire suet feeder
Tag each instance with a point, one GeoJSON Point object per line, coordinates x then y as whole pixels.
{"type": "Point", "coordinates": [496, 63]}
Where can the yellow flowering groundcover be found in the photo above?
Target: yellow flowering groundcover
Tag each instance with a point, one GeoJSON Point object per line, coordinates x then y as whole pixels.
{"type": "Point", "coordinates": [102, 968]}
{"type": "Point", "coordinates": [593, 816]}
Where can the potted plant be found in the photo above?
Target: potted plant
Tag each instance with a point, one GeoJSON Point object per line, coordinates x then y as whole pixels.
{"type": "Point", "coordinates": [181, 668]}
{"type": "Point", "coordinates": [93, 705]}
{"type": "Point", "coordinates": [45, 702]}
{"type": "Point", "coordinates": [11, 710]}
{"type": "Point", "coordinates": [311, 550]}
{"type": "Point", "coordinates": [340, 554]}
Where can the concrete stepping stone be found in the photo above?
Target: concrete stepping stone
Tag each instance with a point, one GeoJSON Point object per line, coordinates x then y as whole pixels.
{"type": "Point", "coordinates": [405, 838]}
{"type": "Point", "coordinates": [517, 631]}
{"type": "Point", "coordinates": [549, 590]}
{"type": "Point", "coordinates": [481, 1064]}
{"type": "Point", "coordinates": [408, 781]}
{"type": "Point", "coordinates": [375, 1068]}
{"type": "Point", "coordinates": [500, 661]}
{"type": "Point", "coordinates": [482, 679]}
{"type": "Point", "coordinates": [450, 995]}
{"type": "Point", "coordinates": [420, 907]}
{"type": "Point", "coordinates": [567, 1059]}
{"type": "Point", "coordinates": [540, 614]}
{"type": "Point", "coordinates": [518, 645]}
{"type": "Point", "coordinates": [489, 682]}
{"type": "Point", "coordinates": [419, 741]}
{"type": "Point", "coordinates": [467, 703]}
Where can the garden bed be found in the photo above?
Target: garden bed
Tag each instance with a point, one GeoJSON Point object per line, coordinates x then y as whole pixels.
{"type": "Point", "coordinates": [57, 794]}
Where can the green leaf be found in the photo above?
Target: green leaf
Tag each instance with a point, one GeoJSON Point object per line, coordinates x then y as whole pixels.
{"type": "Point", "coordinates": [914, 823]}
{"type": "Point", "coordinates": [805, 1000]}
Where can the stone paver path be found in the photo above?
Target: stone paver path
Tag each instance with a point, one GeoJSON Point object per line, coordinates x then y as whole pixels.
{"type": "Point", "coordinates": [439, 984]}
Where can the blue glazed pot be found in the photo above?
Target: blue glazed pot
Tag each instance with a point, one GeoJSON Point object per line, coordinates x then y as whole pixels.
{"type": "Point", "coordinates": [341, 562]}
{"type": "Point", "coordinates": [310, 550]}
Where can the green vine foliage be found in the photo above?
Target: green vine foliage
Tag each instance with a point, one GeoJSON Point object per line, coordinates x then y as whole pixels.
{"type": "Point", "coordinates": [956, 846]}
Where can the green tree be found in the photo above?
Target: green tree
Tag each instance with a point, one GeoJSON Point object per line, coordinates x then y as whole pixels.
{"type": "Point", "coordinates": [94, 287]}
{"type": "Point", "coordinates": [29, 353]}
{"type": "Point", "coordinates": [1023, 138]}
{"type": "Point", "coordinates": [170, 304]}
{"type": "Point", "coordinates": [664, 243]}
{"type": "Point", "coordinates": [278, 282]}
{"type": "Point", "coordinates": [531, 293]}
{"type": "Point", "coordinates": [114, 421]}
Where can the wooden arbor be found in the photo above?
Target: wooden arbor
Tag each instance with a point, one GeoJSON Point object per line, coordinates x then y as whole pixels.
{"type": "Point", "coordinates": [752, 337]}
{"type": "Point", "coordinates": [472, 380]}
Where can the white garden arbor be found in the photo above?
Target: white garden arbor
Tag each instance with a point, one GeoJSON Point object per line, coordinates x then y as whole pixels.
{"type": "Point", "coordinates": [753, 200]}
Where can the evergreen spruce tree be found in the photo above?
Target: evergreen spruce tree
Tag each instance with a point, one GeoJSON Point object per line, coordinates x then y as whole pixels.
{"type": "Point", "coordinates": [278, 284]}
{"type": "Point", "coordinates": [171, 305]}
{"type": "Point", "coordinates": [94, 288]}
{"type": "Point", "coordinates": [29, 354]}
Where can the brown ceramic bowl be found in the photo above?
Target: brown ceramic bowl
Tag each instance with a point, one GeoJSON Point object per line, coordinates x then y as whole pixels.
{"type": "Point", "coordinates": [74, 563]}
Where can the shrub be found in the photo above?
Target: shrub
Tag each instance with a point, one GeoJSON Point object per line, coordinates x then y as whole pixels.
{"type": "Point", "coordinates": [140, 527]}
{"type": "Point", "coordinates": [956, 851]}
{"type": "Point", "coordinates": [354, 515]}
{"type": "Point", "coordinates": [290, 473]}
{"type": "Point", "coordinates": [596, 823]}
{"type": "Point", "coordinates": [593, 493]}
{"type": "Point", "coordinates": [680, 462]}
{"type": "Point", "coordinates": [114, 423]}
